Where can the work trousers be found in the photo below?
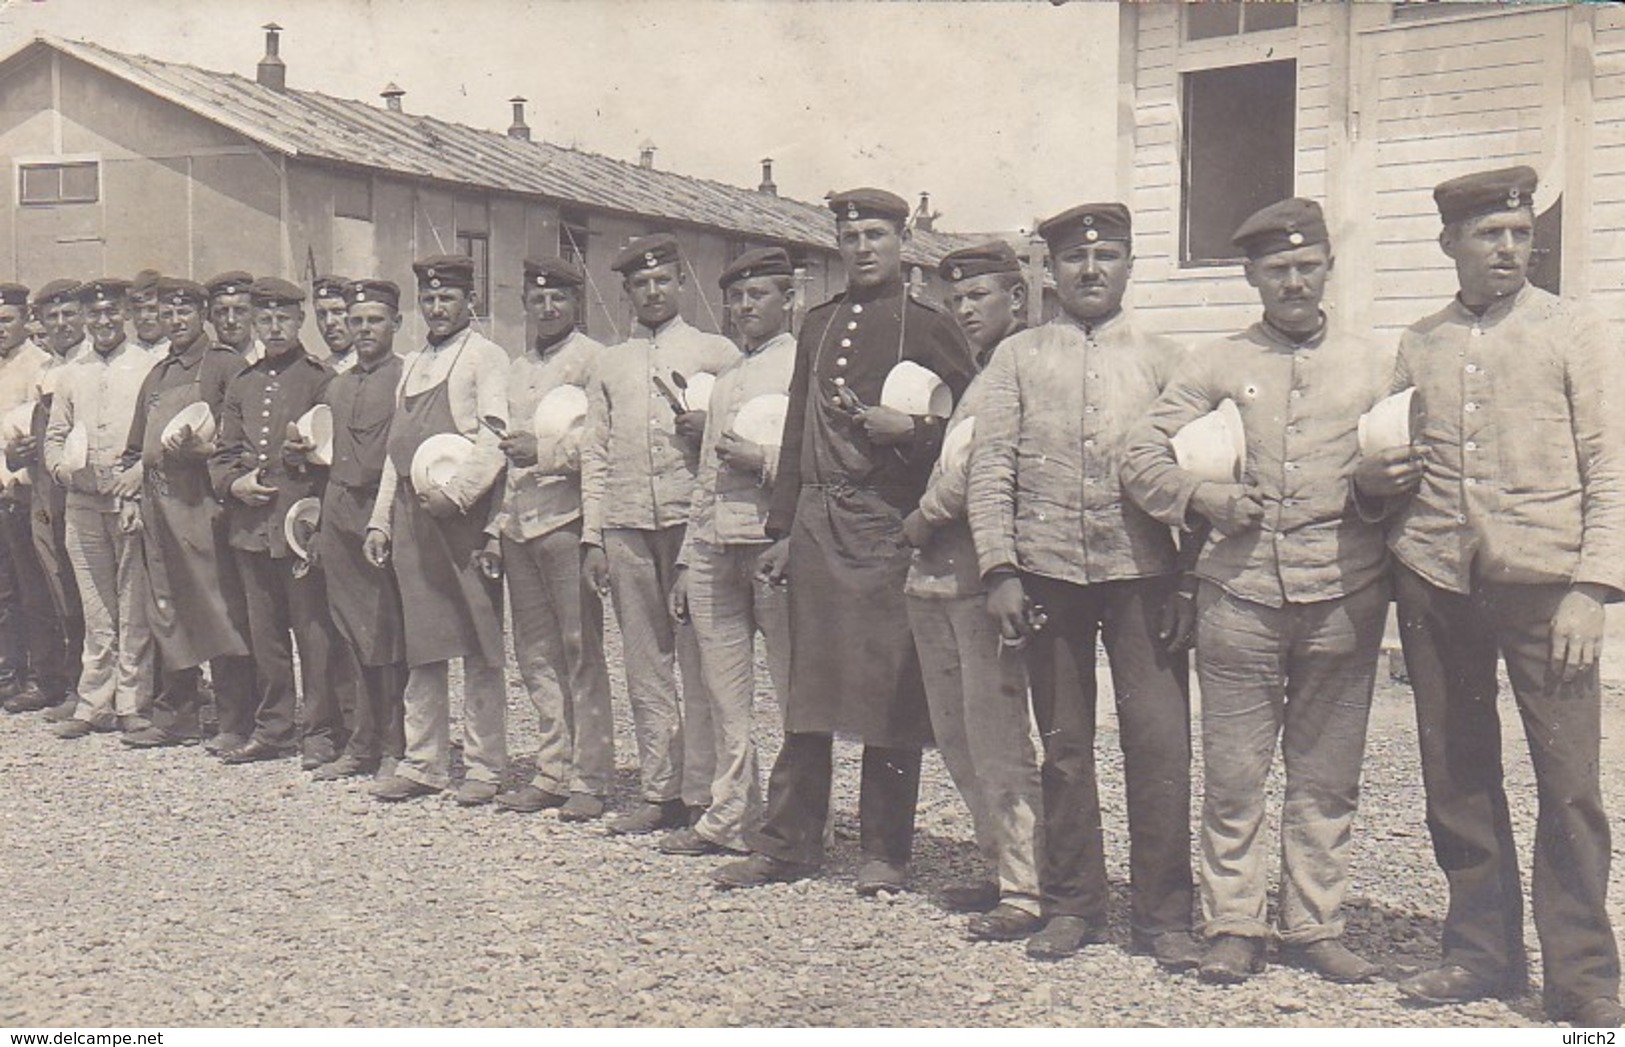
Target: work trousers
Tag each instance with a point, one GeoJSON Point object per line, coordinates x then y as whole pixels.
{"type": "Point", "coordinates": [116, 674]}
{"type": "Point", "coordinates": [642, 567]}
{"type": "Point", "coordinates": [798, 802]}
{"type": "Point", "coordinates": [982, 722]}
{"type": "Point", "coordinates": [1303, 674]}
{"type": "Point", "coordinates": [558, 641]}
{"type": "Point", "coordinates": [728, 605]}
{"type": "Point", "coordinates": [1152, 691]}
{"type": "Point", "coordinates": [284, 609]}
{"type": "Point", "coordinates": [1451, 644]}
{"type": "Point", "coordinates": [428, 723]}
{"type": "Point", "coordinates": [33, 642]}
{"type": "Point", "coordinates": [372, 700]}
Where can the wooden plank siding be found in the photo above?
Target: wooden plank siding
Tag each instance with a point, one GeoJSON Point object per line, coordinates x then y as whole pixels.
{"type": "Point", "coordinates": [1608, 166]}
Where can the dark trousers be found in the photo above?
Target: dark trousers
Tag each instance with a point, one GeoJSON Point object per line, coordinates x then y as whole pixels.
{"type": "Point", "coordinates": [372, 701]}
{"type": "Point", "coordinates": [283, 609]}
{"type": "Point", "coordinates": [50, 532]}
{"type": "Point", "coordinates": [33, 643]}
{"type": "Point", "coordinates": [1451, 644]}
{"type": "Point", "coordinates": [1152, 689]}
{"type": "Point", "coordinates": [798, 802]}
{"type": "Point", "coordinates": [176, 708]}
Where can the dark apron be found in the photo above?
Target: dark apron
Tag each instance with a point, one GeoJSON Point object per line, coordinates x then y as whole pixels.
{"type": "Point", "coordinates": [848, 562]}
{"type": "Point", "coordinates": [450, 610]}
{"type": "Point", "coordinates": [365, 604]}
{"type": "Point", "coordinates": [192, 610]}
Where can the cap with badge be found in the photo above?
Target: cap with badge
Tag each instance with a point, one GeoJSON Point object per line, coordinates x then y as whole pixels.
{"type": "Point", "coordinates": [646, 253]}
{"type": "Point", "coordinates": [553, 272]}
{"type": "Point", "coordinates": [13, 294]}
{"type": "Point", "coordinates": [268, 292]}
{"type": "Point", "coordinates": [455, 271]}
{"type": "Point", "coordinates": [856, 204]}
{"type": "Point", "coordinates": [385, 291]}
{"type": "Point", "coordinates": [105, 289]}
{"type": "Point", "coordinates": [1282, 226]}
{"type": "Point", "coordinates": [234, 281]}
{"type": "Point", "coordinates": [1486, 192]}
{"type": "Point", "coordinates": [329, 286]}
{"type": "Point", "coordinates": [1087, 223]}
{"type": "Point", "coordinates": [57, 292]}
{"type": "Point", "coordinates": [764, 261]}
{"type": "Point", "coordinates": [145, 283]}
{"type": "Point", "coordinates": [995, 256]}
{"type": "Point", "coordinates": [172, 290]}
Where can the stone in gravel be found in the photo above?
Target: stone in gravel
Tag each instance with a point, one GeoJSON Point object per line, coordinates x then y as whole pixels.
{"type": "Point", "coordinates": [1290, 1004]}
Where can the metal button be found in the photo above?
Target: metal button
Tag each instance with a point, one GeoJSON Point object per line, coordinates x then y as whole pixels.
{"type": "Point", "coordinates": [839, 381]}
{"type": "Point", "coordinates": [1477, 331]}
{"type": "Point", "coordinates": [851, 325]}
{"type": "Point", "coordinates": [1472, 368]}
{"type": "Point", "coordinates": [1092, 376]}
{"type": "Point", "coordinates": [1089, 443]}
{"type": "Point", "coordinates": [1088, 408]}
{"type": "Point", "coordinates": [846, 343]}
{"type": "Point", "coordinates": [1470, 407]}
{"type": "Point", "coordinates": [1471, 445]}
{"type": "Point", "coordinates": [1472, 482]}
{"type": "Point", "coordinates": [1461, 518]}
{"type": "Point", "coordinates": [1297, 394]}
{"type": "Point", "coordinates": [1289, 502]}
{"type": "Point", "coordinates": [840, 361]}
{"type": "Point", "coordinates": [857, 307]}
{"type": "Point", "coordinates": [1292, 465]}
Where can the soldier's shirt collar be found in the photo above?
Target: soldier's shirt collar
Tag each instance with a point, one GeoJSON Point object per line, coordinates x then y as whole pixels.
{"type": "Point", "coordinates": [1496, 309]}
{"type": "Point", "coordinates": [1287, 340]}
{"type": "Point", "coordinates": [651, 333]}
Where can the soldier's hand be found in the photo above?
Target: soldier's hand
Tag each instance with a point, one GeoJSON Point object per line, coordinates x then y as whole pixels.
{"type": "Point", "coordinates": [677, 600]}
{"type": "Point", "coordinates": [885, 426]}
{"type": "Point", "coordinates": [375, 547]}
{"type": "Point", "coordinates": [438, 503]}
{"type": "Point", "coordinates": [129, 517]}
{"type": "Point", "coordinates": [917, 529]}
{"type": "Point", "coordinates": [248, 490]}
{"type": "Point", "coordinates": [773, 566]}
{"type": "Point", "coordinates": [21, 452]}
{"type": "Point", "coordinates": [127, 482]}
{"type": "Point", "coordinates": [1384, 474]}
{"type": "Point", "coordinates": [186, 441]}
{"type": "Point", "coordinates": [595, 565]}
{"type": "Point", "coordinates": [1576, 633]}
{"type": "Point", "coordinates": [740, 454]}
{"type": "Point", "coordinates": [489, 559]}
{"type": "Point", "coordinates": [690, 425]}
{"type": "Point", "coordinates": [1007, 603]}
{"type": "Point", "coordinates": [1232, 508]}
{"type": "Point", "coordinates": [296, 449]}
{"type": "Point", "coordinates": [520, 447]}
{"type": "Point", "coordinates": [1176, 623]}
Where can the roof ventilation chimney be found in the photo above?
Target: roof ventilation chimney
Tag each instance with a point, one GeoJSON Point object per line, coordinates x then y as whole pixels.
{"type": "Point", "coordinates": [924, 217]}
{"type": "Point", "coordinates": [272, 71]}
{"type": "Point", "coordinates": [391, 94]}
{"type": "Point", "coordinates": [646, 155]}
{"type": "Point", "coordinates": [519, 129]}
{"type": "Point", "coordinates": [767, 185]}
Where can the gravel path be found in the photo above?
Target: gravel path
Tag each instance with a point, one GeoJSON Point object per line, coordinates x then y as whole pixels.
{"type": "Point", "coordinates": [162, 889]}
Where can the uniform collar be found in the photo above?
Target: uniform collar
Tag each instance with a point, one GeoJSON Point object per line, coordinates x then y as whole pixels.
{"type": "Point", "coordinates": [775, 340]}
{"type": "Point", "coordinates": [1270, 333]}
{"type": "Point", "coordinates": [1092, 327]}
{"type": "Point", "coordinates": [537, 352]}
{"type": "Point", "coordinates": [889, 289]}
{"type": "Point", "coordinates": [676, 323]}
{"type": "Point", "coordinates": [1496, 309]}
{"type": "Point", "coordinates": [188, 358]}
{"type": "Point", "coordinates": [278, 364]}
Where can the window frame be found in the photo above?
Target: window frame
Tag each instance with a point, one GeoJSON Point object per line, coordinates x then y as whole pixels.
{"type": "Point", "coordinates": [466, 241]}
{"type": "Point", "coordinates": [58, 163]}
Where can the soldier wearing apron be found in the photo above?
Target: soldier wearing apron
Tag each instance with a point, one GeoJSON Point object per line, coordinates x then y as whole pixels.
{"type": "Point", "coordinates": [849, 472]}
{"type": "Point", "coordinates": [194, 614]}
{"type": "Point", "coordinates": [454, 384]}
{"type": "Point", "coordinates": [370, 655]}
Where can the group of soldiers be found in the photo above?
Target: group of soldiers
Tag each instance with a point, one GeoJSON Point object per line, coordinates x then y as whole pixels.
{"type": "Point", "coordinates": [920, 575]}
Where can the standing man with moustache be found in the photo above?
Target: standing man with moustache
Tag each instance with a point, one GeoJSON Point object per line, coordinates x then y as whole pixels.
{"type": "Point", "coordinates": [146, 316]}
{"type": "Point", "coordinates": [718, 588]}
{"type": "Point", "coordinates": [96, 395]}
{"type": "Point", "coordinates": [977, 690]}
{"type": "Point", "coordinates": [369, 654]}
{"type": "Point", "coordinates": [259, 478]}
{"type": "Point", "coordinates": [451, 607]}
{"type": "Point", "coordinates": [638, 458]}
{"type": "Point", "coordinates": [850, 470]}
{"type": "Point", "coordinates": [558, 618]}
{"type": "Point", "coordinates": [333, 321]}
{"type": "Point", "coordinates": [1508, 544]}
{"type": "Point", "coordinates": [1054, 532]}
{"type": "Point", "coordinates": [195, 615]}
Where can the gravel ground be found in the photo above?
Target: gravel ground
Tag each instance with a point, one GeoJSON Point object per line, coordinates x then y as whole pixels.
{"type": "Point", "coordinates": [162, 889]}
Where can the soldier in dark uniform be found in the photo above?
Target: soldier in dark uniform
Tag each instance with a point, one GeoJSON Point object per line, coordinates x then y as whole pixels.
{"type": "Point", "coordinates": [369, 654]}
{"type": "Point", "coordinates": [196, 608]}
{"type": "Point", "coordinates": [230, 310]}
{"type": "Point", "coordinates": [259, 482]}
{"type": "Point", "coordinates": [849, 471]}
{"type": "Point", "coordinates": [333, 321]}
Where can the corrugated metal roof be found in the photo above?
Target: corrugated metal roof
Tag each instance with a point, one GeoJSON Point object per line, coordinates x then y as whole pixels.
{"type": "Point", "coordinates": [315, 126]}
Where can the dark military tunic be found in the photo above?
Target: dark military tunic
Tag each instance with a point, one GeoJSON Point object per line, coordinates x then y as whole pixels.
{"type": "Point", "coordinates": [197, 610]}
{"type": "Point", "coordinates": [259, 406]}
{"type": "Point", "coordinates": [842, 500]}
